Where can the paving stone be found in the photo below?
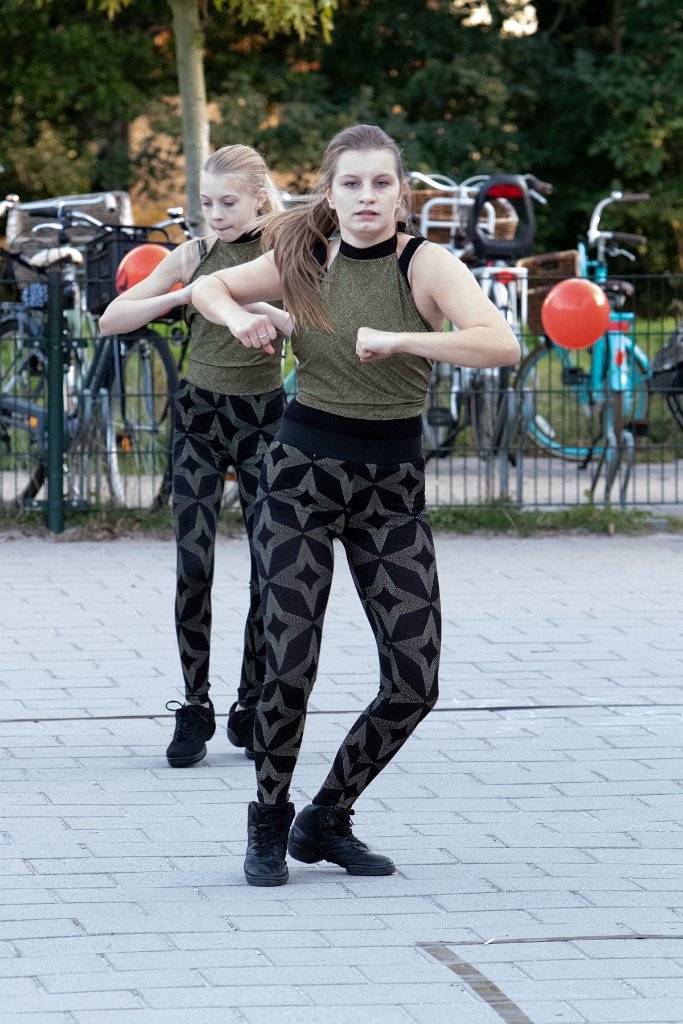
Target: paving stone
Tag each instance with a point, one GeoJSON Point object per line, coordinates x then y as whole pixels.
{"type": "Point", "coordinates": [533, 841]}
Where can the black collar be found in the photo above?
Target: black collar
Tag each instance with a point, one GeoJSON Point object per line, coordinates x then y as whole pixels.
{"type": "Point", "coordinates": [248, 236]}
{"type": "Point", "coordinates": [373, 252]}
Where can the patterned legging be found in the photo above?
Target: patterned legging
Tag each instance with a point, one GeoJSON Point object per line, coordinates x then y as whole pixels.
{"type": "Point", "coordinates": [377, 512]}
{"type": "Point", "coordinates": [211, 433]}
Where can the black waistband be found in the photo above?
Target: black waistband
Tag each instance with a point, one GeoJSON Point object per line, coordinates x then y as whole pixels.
{"type": "Point", "coordinates": [355, 440]}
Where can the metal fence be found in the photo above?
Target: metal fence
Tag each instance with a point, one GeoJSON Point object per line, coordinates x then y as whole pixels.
{"type": "Point", "coordinates": [113, 448]}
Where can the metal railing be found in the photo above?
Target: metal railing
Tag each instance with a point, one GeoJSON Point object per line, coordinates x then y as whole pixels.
{"type": "Point", "coordinates": [75, 466]}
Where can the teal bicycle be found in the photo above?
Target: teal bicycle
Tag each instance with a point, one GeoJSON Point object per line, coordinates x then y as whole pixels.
{"type": "Point", "coordinates": [579, 402]}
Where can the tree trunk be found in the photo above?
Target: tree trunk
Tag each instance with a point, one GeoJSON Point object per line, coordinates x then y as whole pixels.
{"type": "Point", "coordinates": [189, 43]}
{"type": "Point", "coordinates": [678, 235]}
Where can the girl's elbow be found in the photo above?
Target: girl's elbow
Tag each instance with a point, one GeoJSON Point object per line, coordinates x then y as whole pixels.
{"type": "Point", "coordinates": [107, 323]}
{"type": "Point", "coordinates": [513, 352]}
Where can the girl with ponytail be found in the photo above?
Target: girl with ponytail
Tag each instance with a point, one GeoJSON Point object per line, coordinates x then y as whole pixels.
{"type": "Point", "coordinates": [369, 304]}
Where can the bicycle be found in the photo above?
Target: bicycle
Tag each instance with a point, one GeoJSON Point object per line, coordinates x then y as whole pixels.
{"type": "Point", "coordinates": [490, 222]}
{"type": "Point", "coordinates": [579, 399]}
{"type": "Point", "coordinates": [117, 389]}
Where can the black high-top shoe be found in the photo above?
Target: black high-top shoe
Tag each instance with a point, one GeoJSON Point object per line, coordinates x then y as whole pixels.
{"type": "Point", "coordinates": [194, 725]}
{"type": "Point", "coordinates": [324, 833]}
{"type": "Point", "coordinates": [241, 728]}
{"type": "Point", "coordinates": [268, 830]}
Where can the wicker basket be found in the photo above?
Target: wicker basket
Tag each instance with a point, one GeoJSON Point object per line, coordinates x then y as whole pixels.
{"type": "Point", "coordinates": [444, 224]}
{"type": "Point", "coordinates": [23, 218]}
{"type": "Point", "coordinates": [545, 270]}
{"type": "Point", "coordinates": [448, 224]}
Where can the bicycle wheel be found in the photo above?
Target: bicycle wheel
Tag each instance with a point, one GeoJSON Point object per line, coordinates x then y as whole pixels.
{"type": "Point", "coordinates": [441, 417]}
{"type": "Point", "coordinates": [674, 399]}
{"type": "Point", "coordinates": [487, 408]}
{"type": "Point", "coordinates": [139, 420]}
{"type": "Point", "coordinates": [23, 391]}
{"type": "Point", "coordinates": [566, 414]}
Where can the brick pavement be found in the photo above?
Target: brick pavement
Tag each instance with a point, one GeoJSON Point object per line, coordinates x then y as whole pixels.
{"type": "Point", "coordinates": [535, 816]}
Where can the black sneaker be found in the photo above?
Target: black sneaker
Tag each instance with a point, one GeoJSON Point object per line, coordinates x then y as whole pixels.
{"type": "Point", "coordinates": [324, 833]}
{"type": "Point", "coordinates": [268, 829]}
{"type": "Point", "coordinates": [194, 725]}
{"type": "Point", "coordinates": [241, 728]}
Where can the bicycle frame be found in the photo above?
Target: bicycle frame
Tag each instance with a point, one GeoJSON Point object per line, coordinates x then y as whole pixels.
{"type": "Point", "coordinates": [589, 402]}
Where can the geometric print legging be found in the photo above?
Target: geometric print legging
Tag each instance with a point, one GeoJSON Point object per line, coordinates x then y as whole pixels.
{"type": "Point", "coordinates": [211, 433]}
{"type": "Point", "coordinates": [377, 512]}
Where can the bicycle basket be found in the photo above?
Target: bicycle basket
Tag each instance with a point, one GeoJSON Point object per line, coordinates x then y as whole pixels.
{"type": "Point", "coordinates": [108, 207]}
{"type": "Point", "coordinates": [545, 270]}
{"type": "Point", "coordinates": [437, 216]}
{"type": "Point", "coordinates": [103, 256]}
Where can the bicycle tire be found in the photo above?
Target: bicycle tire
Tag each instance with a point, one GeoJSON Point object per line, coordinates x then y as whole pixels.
{"type": "Point", "coordinates": [441, 420]}
{"type": "Point", "coordinates": [566, 417]}
{"type": "Point", "coordinates": [138, 425]}
{"type": "Point", "coordinates": [486, 409]}
{"type": "Point", "coordinates": [674, 399]}
{"type": "Point", "coordinates": [23, 378]}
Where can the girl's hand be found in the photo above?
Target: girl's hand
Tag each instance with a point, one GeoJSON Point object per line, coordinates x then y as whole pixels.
{"type": "Point", "coordinates": [372, 345]}
{"type": "Point", "coordinates": [184, 295]}
{"type": "Point", "coordinates": [253, 330]}
{"type": "Point", "coordinates": [279, 317]}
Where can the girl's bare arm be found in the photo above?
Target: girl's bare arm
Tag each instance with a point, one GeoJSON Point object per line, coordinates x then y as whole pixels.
{"type": "Point", "coordinates": [150, 298]}
{"type": "Point", "coordinates": [223, 296]}
{"type": "Point", "coordinates": [445, 290]}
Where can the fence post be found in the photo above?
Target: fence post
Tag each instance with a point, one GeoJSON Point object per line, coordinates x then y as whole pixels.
{"type": "Point", "coordinates": [55, 404]}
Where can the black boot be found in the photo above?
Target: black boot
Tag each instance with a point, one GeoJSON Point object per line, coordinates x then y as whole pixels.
{"type": "Point", "coordinates": [241, 728]}
{"type": "Point", "coordinates": [268, 830]}
{"type": "Point", "coordinates": [324, 833]}
{"type": "Point", "coordinates": [194, 725]}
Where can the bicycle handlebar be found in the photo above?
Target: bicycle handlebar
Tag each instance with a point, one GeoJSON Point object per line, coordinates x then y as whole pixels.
{"type": "Point", "coordinates": [624, 237]}
{"type": "Point", "coordinates": [536, 185]}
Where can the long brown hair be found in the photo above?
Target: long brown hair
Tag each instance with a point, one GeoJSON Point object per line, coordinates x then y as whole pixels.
{"type": "Point", "coordinates": [293, 235]}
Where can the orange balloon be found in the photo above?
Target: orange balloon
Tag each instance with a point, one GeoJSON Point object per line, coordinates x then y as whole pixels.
{"type": "Point", "coordinates": [138, 264]}
{"type": "Point", "coordinates": [575, 313]}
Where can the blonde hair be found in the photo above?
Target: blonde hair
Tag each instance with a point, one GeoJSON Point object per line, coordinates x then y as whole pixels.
{"type": "Point", "coordinates": [293, 234]}
{"type": "Point", "coordinates": [249, 166]}
{"type": "Point", "coordinates": [245, 163]}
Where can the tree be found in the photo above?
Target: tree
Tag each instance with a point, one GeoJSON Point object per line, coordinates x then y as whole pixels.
{"type": "Point", "coordinates": [274, 16]}
{"type": "Point", "coordinates": [69, 87]}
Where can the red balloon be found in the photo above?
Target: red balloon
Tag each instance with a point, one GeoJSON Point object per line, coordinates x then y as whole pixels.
{"type": "Point", "coordinates": [575, 313]}
{"type": "Point", "coordinates": [138, 264]}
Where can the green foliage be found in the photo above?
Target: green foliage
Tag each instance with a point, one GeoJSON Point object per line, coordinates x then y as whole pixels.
{"type": "Point", "coordinates": [496, 518]}
{"type": "Point", "coordinates": [591, 101]}
{"type": "Point", "coordinates": [69, 85]}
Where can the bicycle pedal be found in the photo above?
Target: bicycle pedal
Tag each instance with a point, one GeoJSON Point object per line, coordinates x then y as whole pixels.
{"type": "Point", "coordinates": [439, 416]}
{"type": "Point", "coordinates": [639, 428]}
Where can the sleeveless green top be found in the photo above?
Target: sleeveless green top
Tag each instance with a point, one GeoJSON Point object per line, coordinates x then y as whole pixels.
{"type": "Point", "coordinates": [362, 288]}
{"type": "Point", "coordinates": [218, 361]}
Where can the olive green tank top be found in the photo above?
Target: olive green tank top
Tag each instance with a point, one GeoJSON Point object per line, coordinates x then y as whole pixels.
{"type": "Point", "coordinates": [362, 288]}
{"type": "Point", "coordinates": [218, 361]}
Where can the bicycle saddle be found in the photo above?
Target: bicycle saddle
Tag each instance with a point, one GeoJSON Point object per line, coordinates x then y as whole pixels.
{"type": "Point", "coordinates": [615, 287]}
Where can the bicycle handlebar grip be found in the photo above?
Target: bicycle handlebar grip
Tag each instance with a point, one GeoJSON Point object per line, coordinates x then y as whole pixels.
{"type": "Point", "coordinates": [54, 212]}
{"type": "Point", "coordinates": [544, 187]}
{"type": "Point", "coordinates": [635, 197]}
{"type": "Point", "coordinates": [622, 236]}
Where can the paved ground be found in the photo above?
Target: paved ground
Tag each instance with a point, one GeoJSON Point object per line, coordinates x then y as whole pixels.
{"type": "Point", "coordinates": [535, 816]}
